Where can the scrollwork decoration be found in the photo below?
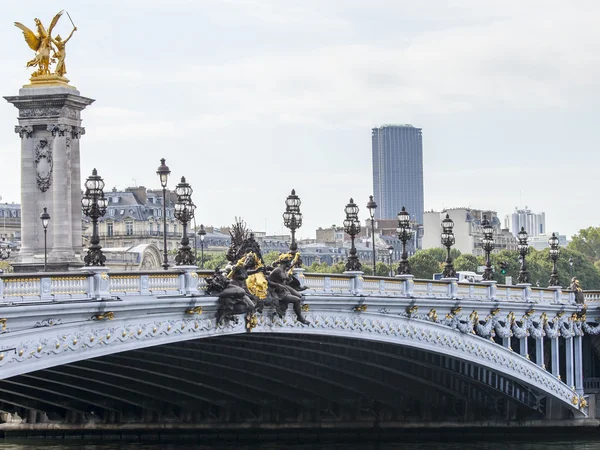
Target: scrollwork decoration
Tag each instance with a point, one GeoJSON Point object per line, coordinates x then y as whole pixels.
{"type": "Point", "coordinates": [43, 164]}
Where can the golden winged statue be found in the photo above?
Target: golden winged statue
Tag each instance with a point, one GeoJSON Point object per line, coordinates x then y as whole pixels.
{"type": "Point", "coordinates": [41, 43]}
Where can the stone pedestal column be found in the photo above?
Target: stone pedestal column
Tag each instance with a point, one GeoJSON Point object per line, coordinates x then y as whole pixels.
{"type": "Point", "coordinates": [569, 365]}
{"type": "Point", "coordinates": [50, 127]}
{"type": "Point", "coordinates": [62, 248]}
{"type": "Point", "coordinates": [28, 189]}
{"type": "Point", "coordinates": [555, 356]}
{"type": "Point", "coordinates": [578, 350]}
{"type": "Point", "coordinates": [539, 352]}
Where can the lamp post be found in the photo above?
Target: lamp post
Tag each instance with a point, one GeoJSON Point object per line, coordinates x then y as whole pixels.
{"type": "Point", "coordinates": [45, 218]}
{"type": "Point", "coordinates": [202, 234]}
{"type": "Point", "coordinates": [487, 243]}
{"type": "Point", "coordinates": [571, 265]}
{"type": "Point", "coordinates": [163, 173]}
{"type": "Point", "coordinates": [184, 212]}
{"type": "Point", "coordinates": [404, 234]}
{"type": "Point", "coordinates": [372, 206]}
{"type": "Point", "coordinates": [390, 253]}
{"type": "Point", "coordinates": [554, 252]}
{"type": "Point", "coordinates": [448, 240]}
{"type": "Point", "coordinates": [292, 218]}
{"type": "Point", "coordinates": [94, 206]}
{"type": "Point", "coordinates": [352, 227]}
{"type": "Point", "coordinates": [523, 247]}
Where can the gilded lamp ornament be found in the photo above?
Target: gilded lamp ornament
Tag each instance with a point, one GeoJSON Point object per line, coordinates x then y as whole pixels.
{"type": "Point", "coordinates": [352, 227]}
{"type": "Point", "coordinates": [404, 234]}
{"type": "Point", "coordinates": [94, 205]}
{"type": "Point", "coordinates": [184, 212]}
{"type": "Point", "coordinates": [448, 241]}
{"type": "Point", "coordinates": [48, 50]}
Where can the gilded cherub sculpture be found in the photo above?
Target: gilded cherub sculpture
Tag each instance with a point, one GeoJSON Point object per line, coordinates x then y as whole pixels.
{"type": "Point", "coordinates": [41, 43]}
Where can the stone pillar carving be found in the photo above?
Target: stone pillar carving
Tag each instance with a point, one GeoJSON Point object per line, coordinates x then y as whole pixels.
{"type": "Point", "coordinates": [62, 248]}
{"type": "Point", "coordinates": [28, 189]}
{"type": "Point", "coordinates": [569, 362]}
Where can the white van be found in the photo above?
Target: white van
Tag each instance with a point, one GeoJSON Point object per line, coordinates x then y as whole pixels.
{"type": "Point", "coordinates": [469, 277]}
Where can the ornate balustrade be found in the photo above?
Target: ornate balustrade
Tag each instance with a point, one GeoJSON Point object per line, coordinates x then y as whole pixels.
{"type": "Point", "coordinates": [591, 296]}
{"type": "Point", "coordinates": [27, 288]}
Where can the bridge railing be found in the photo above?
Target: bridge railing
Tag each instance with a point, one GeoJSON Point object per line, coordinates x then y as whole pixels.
{"type": "Point", "coordinates": [591, 385]}
{"type": "Point", "coordinates": [97, 283]}
{"type": "Point", "coordinates": [591, 296]}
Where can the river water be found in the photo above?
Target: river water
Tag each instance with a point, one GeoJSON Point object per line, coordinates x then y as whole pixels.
{"type": "Point", "coordinates": [447, 445]}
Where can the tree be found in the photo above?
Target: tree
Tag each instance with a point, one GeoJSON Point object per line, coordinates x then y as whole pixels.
{"type": "Point", "coordinates": [424, 263]}
{"type": "Point", "coordinates": [587, 241]}
{"type": "Point", "coordinates": [466, 262]}
{"type": "Point", "coordinates": [383, 269]}
{"type": "Point", "coordinates": [539, 266]}
{"type": "Point", "coordinates": [318, 267]}
{"type": "Point", "coordinates": [270, 257]}
{"type": "Point", "coordinates": [339, 267]}
{"type": "Point", "coordinates": [214, 260]}
{"type": "Point", "coordinates": [440, 253]}
{"type": "Point", "coordinates": [6, 267]}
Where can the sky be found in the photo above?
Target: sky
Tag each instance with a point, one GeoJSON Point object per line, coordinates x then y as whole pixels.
{"type": "Point", "coordinates": [250, 98]}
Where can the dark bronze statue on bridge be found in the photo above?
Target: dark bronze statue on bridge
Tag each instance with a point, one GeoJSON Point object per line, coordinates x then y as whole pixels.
{"type": "Point", "coordinates": [250, 285]}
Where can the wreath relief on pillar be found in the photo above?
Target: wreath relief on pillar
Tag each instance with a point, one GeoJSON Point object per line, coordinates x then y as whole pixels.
{"type": "Point", "coordinates": [43, 164]}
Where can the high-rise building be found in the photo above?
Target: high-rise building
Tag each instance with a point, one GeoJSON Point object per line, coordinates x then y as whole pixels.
{"type": "Point", "coordinates": [398, 171]}
{"type": "Point", "coordinates": [534, 224]}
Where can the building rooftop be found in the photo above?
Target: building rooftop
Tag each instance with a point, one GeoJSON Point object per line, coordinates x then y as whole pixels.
{"type": "Point", "coordinates": [397, 125]}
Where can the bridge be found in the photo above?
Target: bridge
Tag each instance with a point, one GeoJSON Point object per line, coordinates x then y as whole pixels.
{"type": "Point", "coordinates": [115, 349]}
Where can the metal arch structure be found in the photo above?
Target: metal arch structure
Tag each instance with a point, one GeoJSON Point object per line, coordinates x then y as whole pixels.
{"type": "Point", "coordinates": [134, 350]}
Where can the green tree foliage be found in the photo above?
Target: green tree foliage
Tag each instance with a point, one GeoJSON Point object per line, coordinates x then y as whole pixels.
{"type": "Point", "coordinates": [339, 267]}
{"type": "Point", "coordinates": [319, 268]}
{"type": "Point", "coordinates": [587, 242]}
{"type": "Point", "coordinates": [424, 263]}
{"type": "Point", "coordinates": [383, 270]}
{"type": "Point", "coordinates": [326, 268]}
{"type": "Point", "coordinates": [467, 262]}
{"type": "Point", "coordinates": [440, 253]}
{"type": "Point", "coordinates": [271, 257]}
{"type": "Point", "coordinates": [6, 267]}
{"type": "Point", "coordinates": [213, 260]}
{"type": "Point", "coordinates": [539, 266]}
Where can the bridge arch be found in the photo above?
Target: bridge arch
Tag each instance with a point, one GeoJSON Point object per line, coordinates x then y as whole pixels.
{"type": "Point", "coordinates": [418, 354]}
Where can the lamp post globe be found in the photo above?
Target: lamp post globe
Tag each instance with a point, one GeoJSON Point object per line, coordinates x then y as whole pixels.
{"type": "Point", "coordinates": [45, 218]}
{"type": "Point", "coordinates": [571, 265]}
{"type": "Point", "coordinates": [404, 234]}
{"type": "Point", "coordinates": [523, 248]}
{"type": "Point", "coordinates": [390, 250]}
{"type": "Point", "coordinates": [448, 240]}
{"type": "Point", "coordinates": [94, 206]}
{"type": "Point", "coordinates": [487, 244]}
{"type": "Point", "coordinates": [372, 206]}
{"type": "Point", "coordinates": [292, 219]}
{"type": "Point", "coordinates": [184, 212]}
{"type": "Point", "coordinates": [352, 227]}
{"type": "Point", "coordinates": [202, 234]}
{"type": "Point", "coordinates": [553, 243]}
{"type": "Point", "coordinates": [163, 174]}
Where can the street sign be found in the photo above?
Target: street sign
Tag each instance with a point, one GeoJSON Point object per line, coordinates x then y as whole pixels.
{"type": "Point", "coordinates": [508, 281]}
{"type": "Point", "coordinates": [480, 269]}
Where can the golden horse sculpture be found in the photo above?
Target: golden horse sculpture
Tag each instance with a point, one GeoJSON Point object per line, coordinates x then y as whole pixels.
{"type": "Point", "coordinates": [42, 43]}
